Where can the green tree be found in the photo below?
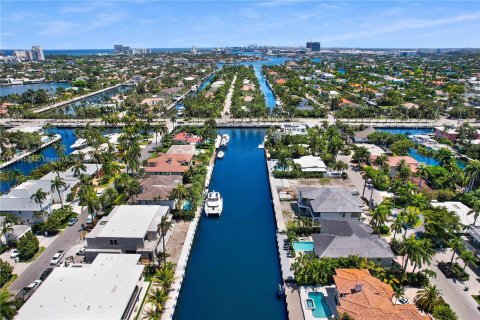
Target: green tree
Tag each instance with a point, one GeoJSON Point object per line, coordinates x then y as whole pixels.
{"type": "Point", "coordinates": [39, 197]}
{"type": "Point", "coordinates": [179, 193]}
{"type": "Point", "coordinates": [28, 246]}
{"type": "Point", "coordinates": [163, 227]}
{"type": "Point", "coordinates": [428, 298]}
{"type": "Point", "coordinates": [58, 184]}
{"type": "Point", "coordinates": [5, 272]}
{"type": "Point", "coordinates": [444, 312]}
{"type": "Point", "coordinates": [8, 306]}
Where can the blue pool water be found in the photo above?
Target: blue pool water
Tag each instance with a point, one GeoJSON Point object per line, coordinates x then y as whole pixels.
{"type": "Point", "coordinates": [321, 310]}
{"type": "Point", "coordinates": [187, 205]}
{"type": "Point", "coordinates": [233, 271]}
{"type": "Point", "coordinates": [47, 155]}
{"type": "Point", "coordinates": [303, 246]}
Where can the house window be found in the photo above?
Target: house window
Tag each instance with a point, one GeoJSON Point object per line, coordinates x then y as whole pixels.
{"type": "Point", "coordinates": [113, 242]}
{"type": "Point", "coordinates": [343, 214]}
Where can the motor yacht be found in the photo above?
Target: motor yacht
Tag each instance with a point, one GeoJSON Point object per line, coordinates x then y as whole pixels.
{"type": "Point", "coordinates": [225, 140]}
{"type": "Point", "coordinates": [79, 144]}
{"type": "Point", "coordinates": [214, 204]}
{"type": "Point", "coordinates": [220, 154]}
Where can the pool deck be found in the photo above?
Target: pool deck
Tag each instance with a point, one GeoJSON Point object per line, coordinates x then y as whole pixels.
{"type": "Point", "coordinates": [328, 292]}
{"type": "Point", "coordinates": [292, 297]}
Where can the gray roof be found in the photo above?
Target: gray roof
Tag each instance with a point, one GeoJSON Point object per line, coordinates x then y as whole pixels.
{"type": "Point", "coordinates": [69, 175]}
{"type": "Point", "coordinates": [352, 237]}
{"type": "Point", "coordinates": [364, 133]}
{"type": "Point", "coordinates": [332, 200]}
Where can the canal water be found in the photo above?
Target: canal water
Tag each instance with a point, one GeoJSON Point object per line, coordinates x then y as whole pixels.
{"type": "Point", "coordinates": [233, 271]}
{"type": "Point", "coordinates": [19, 89]}
{"type": "Point", "coordinates": [46, 155]}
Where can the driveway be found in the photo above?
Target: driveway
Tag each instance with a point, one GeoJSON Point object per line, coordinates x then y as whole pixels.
{"type": "Point", "coordinates": [67, 239]}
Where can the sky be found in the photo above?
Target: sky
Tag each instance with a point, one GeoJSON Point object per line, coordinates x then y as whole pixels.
{"type": "Point", "coordinates": [99, 24]}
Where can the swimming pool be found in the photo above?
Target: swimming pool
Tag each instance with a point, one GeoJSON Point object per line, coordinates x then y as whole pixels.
{"type": "Point", "coordinates": [187, 205]}
{"type": "Point", "coordinates": [321, 309]}
{"type": "Point", "coordinates": [303, 246]}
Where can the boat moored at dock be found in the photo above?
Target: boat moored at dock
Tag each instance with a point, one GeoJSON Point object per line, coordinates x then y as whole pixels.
{"type": "Point", "coordinates": [79, 144]}
{"type": "Point", "coordinates": [214, 204]}
{"type": "Point", "coordinates": [225, 140]}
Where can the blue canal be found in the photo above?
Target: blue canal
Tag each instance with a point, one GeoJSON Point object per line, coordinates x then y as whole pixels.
{"type": "Point", "coordinates": [46, 155]}
{"type": "Point", "coordinates": [19, 89]}
{"type": "Point", "coordinates": [233, 270]}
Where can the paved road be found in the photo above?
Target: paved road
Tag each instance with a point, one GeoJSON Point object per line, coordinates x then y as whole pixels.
{"type": "Point", "coordinates": [64, 241]}
{"type": "Point", "coordinates": [228, 99]}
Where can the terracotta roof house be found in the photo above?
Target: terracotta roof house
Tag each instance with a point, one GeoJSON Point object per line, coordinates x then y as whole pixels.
{"type": "Point", "coordinates": [365, 297]}
{"type": "Point", "coordinates": [169, 164]}
{"type": "Point", "coordinates": [157, 190]}
{"type": "Point", "coordinates": [186, 138]}
{"type": "Point", "coordinates": [281, 81]}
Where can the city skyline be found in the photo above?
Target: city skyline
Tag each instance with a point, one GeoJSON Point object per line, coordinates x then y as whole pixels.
{"type": "Point", "coordinates": [160, 24]}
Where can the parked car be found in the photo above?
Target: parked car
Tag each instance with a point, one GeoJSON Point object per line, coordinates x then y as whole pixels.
{"type": "Point", "coordinates": [46, 273]}
{"type": "Point", "coordinates": [89, 219]}
{"type": "Point", "coordinates": [14, 254]}
{"type": "Point", "coordinates": [57, 257]}
{"type": "Point", "coordinates": [403, 300]}
{"type": "Point", "coordinates": [81, 251]}
{"type": "Point", "coordinates": [34, 285]}
{"type": "Point", "coordinates": [355, 192]}
{"type": "Point", "coordinates": [72, 221]}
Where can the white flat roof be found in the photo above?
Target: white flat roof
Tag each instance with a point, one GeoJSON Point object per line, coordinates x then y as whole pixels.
{"type": "Point", "coordinates": [101, 290]}
{"type": "Point", "coordinates": [131, 221]}
{"type": "Point", "coordinates": [460, 209]}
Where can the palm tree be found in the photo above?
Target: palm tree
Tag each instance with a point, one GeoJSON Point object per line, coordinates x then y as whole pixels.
{"type": "Point", "coordinates": [165, 276]}
{"type": "Point", "coordinates": [92, 202]}
{"type": "Point", "coordinates": [397, 225]}
{"type": "Point", "coordinates": [382, 162]}
{"type": "Point", "coordinates": [173, 119]}
{"type": "Point", "coordinates": [78, 167]}
{"type": "Point", "coordinates": [468, 257]}
{"type": "Point", "coordinates": [457, 245]}
{"type": "Point", "coordinates": [8, 306]}
{"type": "Point", "coordinates": [132, 188]}
{"type": "Point", "coordinates": [379, 216]}
{"type": "Point", "coordinates": [179, 193]}
{"type": "Point", "coordinates": [6, 228]}
{"type": "Point", "coordinates": [445, 158]}
{"type": "Point", "coordinates": [444, 312]}
{"type": "Point", "coordinates": [403, 169]}
{"type": "Point", "coordinates": [57, 185]}
{"type": "Point", "coordinates": [361, 155]}
{"type": "Point", "coordinates": [39, 197]}
{"type": "Point", "coordinates": [163, 227]}
{"type": "Point", "coordinates": [157, 297]}
{"type": "Point", "coordinates": [476, 211]}
{"type": "Point", "coordinates": [57, 167]}
{"type": "Point", "coordinates": [472, 170]}
{"type": "Point", "coordinates": [410, 247]}
{"type": "Point", "coordinates": [59, 149]}
{"type": "Point", "coordinates": [152, 314]}
{"type": "Point", "coordinates": [428, 298]}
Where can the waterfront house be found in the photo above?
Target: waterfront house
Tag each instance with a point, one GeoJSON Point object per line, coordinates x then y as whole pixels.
{"type": "Point", "coordinates": [461, 210]}
{"type": "Point", "coordinates": [329, 203]}
{"type": "Point", "coordinates": [365, 297]}
{"type": "Point", "coordinates": [15, 233]}
{"type": "Point", "coordinates": [182, 149]}
{"type": "Point", "coordinates": [109, 288]}
{"type": "Point", "coordinates": [127, 229]}
{"type": "Point", "coordinates": [393, 162]}
{"type": "Point", "coordinates": [450, 133]}
{"type": "Point", "coordinates": [19, 201]}
{"type": "Point", "coordinates": [294, 129]}
{"type": "Point", "coordinates": [157, 190]}
{"type": "Point", "coordinates": [186, 138]}
{"type": "Point", "coordinates": [169, 164]}
{"type": "Point", "coordinates": [69, 175]}
{"type": "Point", "coordinates": [339, 238]}
{"type": "Point", "coordinates": [311, 164]}
{"type": "Point", "coordinates": [362, 136]}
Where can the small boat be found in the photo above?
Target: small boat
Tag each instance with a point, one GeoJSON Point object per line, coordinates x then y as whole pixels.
{"type": "Point", "coordinates": [280, 290]}
{"type": "Point", "coordinates": [214, 204]}
{"type": "Point", "coordinates": [225, 140]}
{"type": "Point", "coordinates": [220, 154]}
{"type": "Point", "coordinates": [79, 144]}
{"type": "Point", "coordinates": [218, 140]}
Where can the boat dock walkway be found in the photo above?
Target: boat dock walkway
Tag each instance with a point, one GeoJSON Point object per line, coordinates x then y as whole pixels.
{"type": "Point", "coordinates": [292, 296]}
{"type": "Point", "coordinates": [26, 154]}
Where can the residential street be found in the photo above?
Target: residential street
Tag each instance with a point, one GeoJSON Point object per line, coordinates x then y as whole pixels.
{"type": "Point", "coordinates": [64, 241]}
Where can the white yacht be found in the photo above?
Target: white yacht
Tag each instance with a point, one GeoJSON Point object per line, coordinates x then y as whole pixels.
{"type": "Point", "coordinates": [218, 140]}
{"type": "Point", "coordinates": [214, 204]}
{"type": "Point", "coordinates": [220, 154]}
{"type": "Point", "coordinates": [79, 144]}
{"type": "Point", "coordinates": [225, 140]}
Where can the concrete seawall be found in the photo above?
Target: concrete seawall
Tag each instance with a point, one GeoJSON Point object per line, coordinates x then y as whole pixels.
{"type": "Point", "coordinates": [292, 297]}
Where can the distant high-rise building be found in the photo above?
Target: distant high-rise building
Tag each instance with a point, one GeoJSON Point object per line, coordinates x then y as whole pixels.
{"type": "Point", "coordinates": [407, 53]}
{"type": "Point", "coordinates": [313, 46]}
{"type": "Point", "coordinates": [121, 49]}
{"type": "Point", "coordinates": [194, 50]}
{"type": "Point", "coordinates": [37, 53]}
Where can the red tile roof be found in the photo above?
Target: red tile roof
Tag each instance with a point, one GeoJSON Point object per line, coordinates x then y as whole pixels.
{"type": "Point", "coordinates": [187, 138]}
{"type": "Point", "coordinates": [365, 297]}
{"type": "Point", "coordinates": [169, 163]}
